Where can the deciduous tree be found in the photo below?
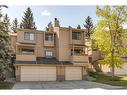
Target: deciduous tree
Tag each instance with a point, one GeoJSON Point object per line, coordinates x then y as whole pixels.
{"type": "Point", "coordinates": [110, 33]}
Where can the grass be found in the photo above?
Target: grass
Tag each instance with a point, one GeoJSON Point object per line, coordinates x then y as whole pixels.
{"type": "Point", "coordinates": [114, 81]}
{"type": "Point", "coordinates": [6, 85]}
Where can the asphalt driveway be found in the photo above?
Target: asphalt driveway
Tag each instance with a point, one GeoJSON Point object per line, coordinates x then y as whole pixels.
{"type": "Point", "coordinates": [62, 85]}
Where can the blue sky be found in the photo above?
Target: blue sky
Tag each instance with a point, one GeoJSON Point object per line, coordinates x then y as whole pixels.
{"type": "Point", "coordinates": [67, 15]}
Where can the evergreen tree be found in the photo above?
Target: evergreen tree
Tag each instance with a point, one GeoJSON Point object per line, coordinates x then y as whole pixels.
{"type": "Point", "coordinates": [6, 22]}
{"type": "Point", "coordinates": [5, 49]}
{"type": "Point", "coordinates": [14, 25]}
{"type": "Point", "coordinates": [89, 26]}
{"type": "Point", "coordinates": [78, 27]}
{"type": "Point", "coordinates": [28, 20]}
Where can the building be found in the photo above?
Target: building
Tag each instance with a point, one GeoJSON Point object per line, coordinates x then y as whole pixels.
{"type": "Point", "coordinates": [59, 53]}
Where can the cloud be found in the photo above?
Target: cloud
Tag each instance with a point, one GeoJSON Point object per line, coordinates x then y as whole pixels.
{"type": "Point", "coordinates": [45, 13]}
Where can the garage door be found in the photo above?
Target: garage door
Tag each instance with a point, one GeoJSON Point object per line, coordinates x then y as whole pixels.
{"type": "Point", "coordinates": [73, 73]}
{"type": "Point", "coordinates": [122, 71]}
{"type": "Point", "coordinates": [36, 73]}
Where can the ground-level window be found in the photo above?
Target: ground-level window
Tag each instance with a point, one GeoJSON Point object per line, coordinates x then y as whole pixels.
{"type": "Point", "coordinates": [48, 53]}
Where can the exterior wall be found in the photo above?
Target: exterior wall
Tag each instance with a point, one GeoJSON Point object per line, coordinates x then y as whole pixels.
{"type": "Point", "coordinates": [57, 29]}
{"type": "Point", "coordinates": [20, 36]}
{"type": "Point", "coordinates": [64, 51]}
{"type": "Point", "coordinates": [13, 41]}
{"type": "Point", "coordinates": [18, 72]}
{"type": "Point", "coordinates": [40, 44]}
{"type": "Point", "coordinates": [60, 73]}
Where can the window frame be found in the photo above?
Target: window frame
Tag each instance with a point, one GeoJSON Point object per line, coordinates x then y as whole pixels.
{"type": "Point", "coordinates": [50, 52]}
{"type": "Point", "coordinates": [76, 35]}
{"type": "Point", "coordinates": [30, 36]}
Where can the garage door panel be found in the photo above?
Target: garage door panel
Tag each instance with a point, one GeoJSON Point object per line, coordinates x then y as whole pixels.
{"type": "Point", "coordinates": [73, 73]}
{"type": "Point", "coordinates": [30, 73]}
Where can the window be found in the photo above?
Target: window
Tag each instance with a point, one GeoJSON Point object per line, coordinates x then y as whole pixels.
{"type": "Point", "coordinates": [76, 35]}
{"type": "Point", "coordinates": [77, 51]}
{"type": "Point", "coordinates": [48, 37]}
{"type": "Point", "coordinates": [28, 51]}
{"type": "Point", "coordinates": [49, 53]}
{"type": "Point", "coordinates": [29, 36]}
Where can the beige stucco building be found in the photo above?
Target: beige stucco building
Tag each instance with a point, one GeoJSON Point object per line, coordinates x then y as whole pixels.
{"type": "Point", "coordinates": [59, 53]}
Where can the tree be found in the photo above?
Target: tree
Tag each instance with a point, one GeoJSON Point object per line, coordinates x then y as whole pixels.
{"type": "Point", "coordinates": [28, 20]}
{"type": "Point", "coordinates": [78, 27]}
{"type": "Point", "coordinates": [5, 49]}
{"type": "Point", "coordinates": [14, 25]}
{"type": "Point", "coordinates": [6, 22]}
{"type": "Point", "coordinates": [109, 35]}
{"type": "Point", "coordinates": [89, 26]}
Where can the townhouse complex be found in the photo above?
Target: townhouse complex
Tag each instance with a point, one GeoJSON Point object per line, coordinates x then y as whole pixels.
{"type": "Point", "coordinates": [58, 53]}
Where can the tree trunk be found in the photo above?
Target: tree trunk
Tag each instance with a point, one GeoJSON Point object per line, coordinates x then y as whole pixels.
{"type": "Point", "coordinates": [113, 70]}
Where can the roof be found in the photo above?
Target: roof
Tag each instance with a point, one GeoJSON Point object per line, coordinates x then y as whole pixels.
{"type": "Point", "coordinates": [28, 30]}
{"type": "Point", "coordinates": [44, 60]}
{"type": "Point", "coordinates": [25, 62]}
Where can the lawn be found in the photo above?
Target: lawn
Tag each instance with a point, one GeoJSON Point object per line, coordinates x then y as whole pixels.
{"type": "Point", "coordinates": [115, 81]}
{"type": "Point", "coordinates": [6, 85]}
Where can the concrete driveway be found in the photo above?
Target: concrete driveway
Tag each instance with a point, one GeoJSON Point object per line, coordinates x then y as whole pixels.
{"type": "Point", "coordinates": [62, 85]}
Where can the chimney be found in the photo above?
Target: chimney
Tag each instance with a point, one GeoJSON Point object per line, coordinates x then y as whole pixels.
{"type": "Point", "coordinates": [56, 23]}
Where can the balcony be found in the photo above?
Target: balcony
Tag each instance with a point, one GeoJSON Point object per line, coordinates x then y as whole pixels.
{"type": "Point", "coordinates": [80, 59]}
{"type": "Point", "coordinates": [49, 39]}
{"type": "Point", "coordinates": [49, 43]}
{"type": "Point", "coordinates": [24, 57]}
{"type": "Point", "coordinates": [77, 41]}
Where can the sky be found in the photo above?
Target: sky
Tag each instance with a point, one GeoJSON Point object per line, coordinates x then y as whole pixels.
{"type": "Point", "coordinates": [67, 15]}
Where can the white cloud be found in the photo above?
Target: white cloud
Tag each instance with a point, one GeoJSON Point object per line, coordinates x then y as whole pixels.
{"type": "Point", "coordinates": [45, 13]}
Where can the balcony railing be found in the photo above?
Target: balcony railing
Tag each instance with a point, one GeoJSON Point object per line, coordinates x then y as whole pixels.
{"type": "Point", "coordinates": [80, 59]}
{"type": "Point", "coordinates": [48, 43]}
{"type": "Point", "coordinates": [77, 41]}
{"type": "Point", "coordinates": [24, 57]}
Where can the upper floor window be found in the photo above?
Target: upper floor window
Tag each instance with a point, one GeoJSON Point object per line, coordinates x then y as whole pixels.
{"type": "Point", "coordinates": [48, 37]}
{"type": "Point", "coordinates": [76, 35]}
{"type": "Point", "coordinates": [29, 36]}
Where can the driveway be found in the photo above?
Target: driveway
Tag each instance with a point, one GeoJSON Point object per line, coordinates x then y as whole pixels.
{"type": "Point", "coordinates": [62, 85]}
